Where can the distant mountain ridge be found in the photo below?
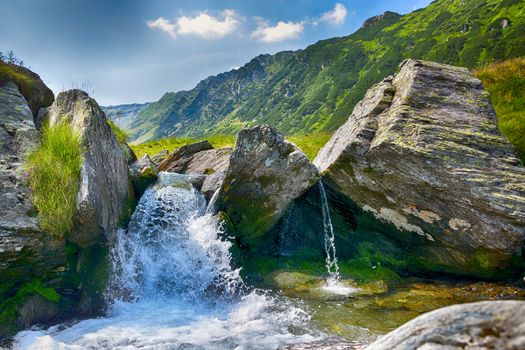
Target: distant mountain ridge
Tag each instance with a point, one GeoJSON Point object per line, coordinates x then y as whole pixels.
{"type": "Point", "coordinates": [315, 89]}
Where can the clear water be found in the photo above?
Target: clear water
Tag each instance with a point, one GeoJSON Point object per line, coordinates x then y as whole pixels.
{"type": "Point", "coordinates": [173, 287]}
{"type": "Point", "coordinates": [333, 283]}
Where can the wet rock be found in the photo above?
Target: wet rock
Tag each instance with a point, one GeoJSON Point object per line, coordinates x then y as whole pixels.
{"type": "Point", "coordinates": [212, 183]}
{"type": "Point", "coordinates": [25, 250]}
{"type": "Point", "coordinates": [265, 175]}
{"type": "Point", "coordinates": [104, 175]}
{"type": "Point", "coordinates": [143, 174]}
{"type": "Point", "coordinates": [482, 326]}
{"type": "Point", "coordinates": [422, 153]}
{"type": "Point", "coordinates": [178, 160]}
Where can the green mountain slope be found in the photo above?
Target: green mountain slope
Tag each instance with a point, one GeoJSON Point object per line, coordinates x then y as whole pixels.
{"type": "Point", "coordinates": [315, 89]}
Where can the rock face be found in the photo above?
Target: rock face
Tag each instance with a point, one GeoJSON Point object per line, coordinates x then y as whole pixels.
{"type": "Point", "coordinates": [26, 252]}
{"type": "Point", "coordinates": [104, 183]}
{"type": "Point", "coordinates": [179, 159]}
{"type": "Point", "coordinates": [24, 248]}
{"type": "Point", "coordinates": [423, 153]}
{"type": "Point", "coordinates": [265, 175]}
{"type": "Point", "coordinates": [143, 173]}
{"type": "Point", "coordinates": [481, 326]}
{"type": "Point", "coordinates": [36, 93]}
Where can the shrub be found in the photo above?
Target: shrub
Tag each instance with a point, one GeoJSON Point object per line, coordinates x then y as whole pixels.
{"type": "Point", "coordinates": [54, 177]}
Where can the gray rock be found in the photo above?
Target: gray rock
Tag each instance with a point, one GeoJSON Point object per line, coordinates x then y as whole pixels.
{"type": "Point", "coordinates": [104, 176]}
{"type": "Point", "coordinates": [143, 174]}
{"type": "Point", "coordinates": [206, 162]}
{"type": "Point", "coordinates": [178, 159]}
{"type": "Point", "coordinates": [481, 326]}
{"type": "Point", "coordinates": [423, 153]}
{"type": "Point", "coordinates": [265, 175]}
{"type": "Point", "coordinates": [36, 93]}
{"type": "Point", "coordinates": [159, 157]}
{"type": "Point", "coordinates": [212, 183]}
{"type": "Point", "coordinates": [24, 249]}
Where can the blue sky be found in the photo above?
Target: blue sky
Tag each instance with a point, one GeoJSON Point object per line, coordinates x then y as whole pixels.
{"type": "Point", "coordinates": [129, 51]}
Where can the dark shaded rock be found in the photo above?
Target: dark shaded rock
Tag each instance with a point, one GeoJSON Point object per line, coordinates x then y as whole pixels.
{"type": "Point", "coordinates": [130, 156]}
{"type": "Point", "coordinates": [265, 175]}
{"type": "Point", "coordinates": [481, 326]}
{"type": "Point", "coordinates": [104, 176]}
{"type": "Point", "coordinates": [159, 157]}
{"type": "Point", "coordinates": [37, 309]}
{"type": "Point", "coordinates": [143, 174]}
{"type": "Point", "coordinates": [24, 249]}
{"type": "Point", "coordinates": [181, 157]}
{"type": "Point", "coordinates": [422, 152]}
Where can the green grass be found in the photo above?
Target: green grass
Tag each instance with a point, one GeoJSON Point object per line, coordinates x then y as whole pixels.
{"type": "Point", "coordinates": [54, 177]}
{"type": "Point", "coordinates": [153, 147]}
{"type": "Point", "coordinates": [121, 134]}
{"type": "Point", "coordinates": [25, 83]}
{"type": "Point", "coordinates": [505, 81]}
{"type": "Point", "coordinates": [310, 144]}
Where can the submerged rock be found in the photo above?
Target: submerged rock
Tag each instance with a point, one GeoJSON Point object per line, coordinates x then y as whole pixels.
{"type": "Point", "coordinates": [104, 175]}
{"type": "Point", "coordinates": [484, 325]}
{"type": "Point", "coordinates": [178, 160]}
{"type": "Point", "coordinates": [422, 153]}
{"type": "Point", "coordinates": [265, 175]}
{"type": "Point", "coordinates": [143, 173]}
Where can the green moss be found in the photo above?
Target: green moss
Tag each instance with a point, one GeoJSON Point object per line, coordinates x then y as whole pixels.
{"type": "Point", "coordinates": [25, 83]}
{"type": "Point", "coordinates": [363, 270]}
{"type": "Point", "coordinates": [54, 177]}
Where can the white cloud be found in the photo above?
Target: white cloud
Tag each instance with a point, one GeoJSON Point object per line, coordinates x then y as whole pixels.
{"type": "Point", "coordinates": [336, 16]}
{"type": "Point", "coordinates": [280, 32]}
{"type": "Point", "coordinates": [202, 25]}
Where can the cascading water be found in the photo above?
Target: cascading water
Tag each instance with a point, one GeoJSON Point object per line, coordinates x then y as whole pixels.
{"type": "Point", "coordinates": [333, 283]}
{"type": "Point", "coordinates": [172, 286]}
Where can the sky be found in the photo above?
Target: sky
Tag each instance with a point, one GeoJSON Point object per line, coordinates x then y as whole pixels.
{"type": "Point", "coordinates": [133, 51]}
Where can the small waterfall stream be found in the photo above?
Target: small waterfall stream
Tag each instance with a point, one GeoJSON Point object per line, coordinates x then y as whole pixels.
{"type": "Point", "coordinates": [172, 287]}
{"type": "Point", "coordinates": [329, 240]}
{"type": "Point", "coordinates": [333, 282]}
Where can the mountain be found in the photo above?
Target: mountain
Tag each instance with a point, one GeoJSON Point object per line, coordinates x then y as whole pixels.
{"type": "Point", "coordinates": [315, 89]}
{"type": "Point", "coordinates": [124, 115]}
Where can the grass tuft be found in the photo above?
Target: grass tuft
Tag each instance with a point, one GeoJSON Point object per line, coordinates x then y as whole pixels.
{"type": "Point", "coordinates": [54, 177]}
{"type": "Point", "coordinates": [122, 135]}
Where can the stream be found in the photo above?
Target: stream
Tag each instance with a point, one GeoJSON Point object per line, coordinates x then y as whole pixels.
{"type": "Point", "coordinates": [173, 287]}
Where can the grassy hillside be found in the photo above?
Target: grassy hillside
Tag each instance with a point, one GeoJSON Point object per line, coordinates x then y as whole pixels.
{"type": "Point", "coordinates": [506, 83]}
{"type": "Point", "coordinates": [315, 89]}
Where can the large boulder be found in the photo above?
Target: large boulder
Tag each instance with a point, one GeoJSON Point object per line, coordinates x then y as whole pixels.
{"type": "Point", "coordinates": [481, 326]}
{"type": "Point", "coordinates": [266, 174]}
{"type": "Point", "coordinates": [104, 175]}
{"type": "Point", "coordinates": [422, 153]}
{"type": "Point", "coordinates": [25, 250]}
{"type": "Point", "coordinates": [36, 93]}
{"type": "Point", "coordinates": [177, 161]}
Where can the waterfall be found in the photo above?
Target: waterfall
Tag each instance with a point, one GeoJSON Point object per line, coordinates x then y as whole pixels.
{"type": "Point", "coordinates": [172, 286]}
{"type": "Point", "coordinates": [329, 240]}
{"type": "Point", "coordinates": [333, 283]}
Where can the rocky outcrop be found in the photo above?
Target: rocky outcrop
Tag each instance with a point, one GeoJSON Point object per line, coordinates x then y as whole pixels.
{"type": "Point", "coordinates": [24, 249]}
{"type": "Point", "coordinates": [104, 175]}
{"type": "Point", "coordinates": [422, 153]}
{"type": "Point", "coordinates": [179, 159]}
{"type": "Point", "coordinates": [35, 92]}
{"type": "Point", "coordinates": [265, 175]}
{"type": "Point", "coordinates": [143, 173]}
{"type": "Point", "coordinates": [482, 326]}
